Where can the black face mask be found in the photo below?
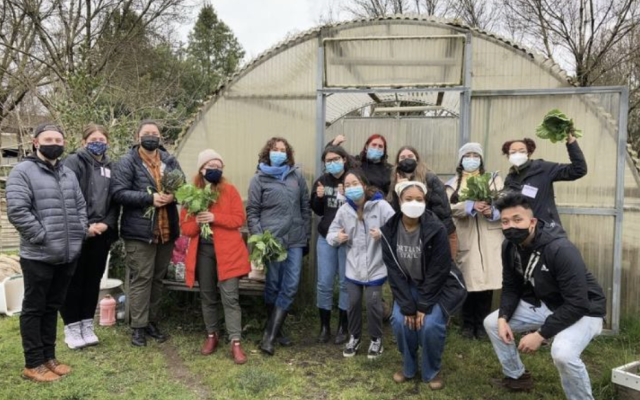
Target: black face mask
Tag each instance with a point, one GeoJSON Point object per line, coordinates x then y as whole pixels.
{"type": "Point", "coordinates": [408, 165]}
{"type": "Point", "coordinates": [516, 235]}
{"type": "Point", "coordinates": [51, 151]}
{"type": "Point", "coordinates": [150, 143]}
{"type": "Point", "coordinates": [213, 175]}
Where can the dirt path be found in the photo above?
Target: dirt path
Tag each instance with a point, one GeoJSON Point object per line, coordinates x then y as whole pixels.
{"type": "Point", "coordinates": [181, 373]}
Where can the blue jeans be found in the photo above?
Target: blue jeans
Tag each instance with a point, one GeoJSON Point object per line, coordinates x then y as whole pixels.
{"type": "Point", "coordinates": [431, 337]}
{"type": "Point", "coordinates": [331, 261]}
{"type": "Point", "coordinates": [565, 350]}
{"type": "Point", "coordinates": [282, 279]}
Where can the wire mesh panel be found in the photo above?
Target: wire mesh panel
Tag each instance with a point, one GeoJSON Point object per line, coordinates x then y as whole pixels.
{"type": "Point", "coordinates": [394, 61]}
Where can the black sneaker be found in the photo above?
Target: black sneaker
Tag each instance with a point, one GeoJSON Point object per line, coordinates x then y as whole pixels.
{"type": "Point", "coordinates": [351, 347]}
{"type": "Point", "coordinates": [375, 349]}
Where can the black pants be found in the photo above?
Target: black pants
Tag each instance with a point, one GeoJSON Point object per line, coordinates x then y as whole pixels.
{"type": "Point", "coordinates": [45, 287]}
{"type": "Point", "coordinates": [82, 296]}
{"type": "Point", "coordinates": [475, 308]}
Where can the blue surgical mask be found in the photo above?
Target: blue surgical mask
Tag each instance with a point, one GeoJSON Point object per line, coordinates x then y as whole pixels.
{"type": "Point", "coordinates": [471, 164]}
{"type": "Point", "coordinates": [374, 154]}
{"type": "Point", "coordinates": [277, 158]}
{"type": "Point", "coordinates": [354, 193]}
{"type": "Point", "coordinates": [334, 167]}
{"type": "Point", "coordinates": [97, 148]}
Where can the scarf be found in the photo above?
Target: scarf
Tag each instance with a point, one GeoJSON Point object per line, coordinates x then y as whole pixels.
{"type": "Point", "coordinates": [277, 172]}
{"type": "Point", "coordinates": [162, 229]}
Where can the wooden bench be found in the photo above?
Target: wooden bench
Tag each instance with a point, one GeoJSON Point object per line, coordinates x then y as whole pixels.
{"type": "Point", "coordinates": [248, 287]}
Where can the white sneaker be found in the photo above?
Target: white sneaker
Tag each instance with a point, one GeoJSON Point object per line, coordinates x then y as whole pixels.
{"type": "Point", "coordinates": [88, 334]}
{"type": "Point", "coordinates": [375, 349]}
{"type": "Point", "coordinates": [73, 336]}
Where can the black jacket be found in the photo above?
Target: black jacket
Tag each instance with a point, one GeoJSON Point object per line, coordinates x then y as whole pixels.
{"type": "Point", "coordinates": [561, 280]}
{"type": "Point", "coordinates": [541, 175]}
{"type": "Point", "coordinates": [130, 183]}
{"type": "Point", "coordinates": [378, 174]}
{"type": "Point", "coordinates": [437, 201]}
{"type": "Point", "coordinates": [94, 178]}
{"type": "Point", "coordinates": [327, 206]}
{"type": "Point", "coordinates": [443, 282]}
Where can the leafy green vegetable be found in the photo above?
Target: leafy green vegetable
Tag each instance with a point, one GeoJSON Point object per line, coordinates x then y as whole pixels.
{"type": "Point", "coordinates": [265, 248]}
{"type": "Point", "coordinates": [169, 183]}
{"type": "Point", "coordinates": [478, 189]}
{"type": "Point", "coordinates": [196, 200]}
{"type": "Point", "coordinates": [556, 126]}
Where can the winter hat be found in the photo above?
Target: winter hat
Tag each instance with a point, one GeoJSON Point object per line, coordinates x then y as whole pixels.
{"type": "Point", "coordinates": [47, 126]}
{"type": "Point", "coordinates": [207, 155]}
{"type": "Point", "coordinates": [470, 148]}
{"type": "Point", "coordinates": [404, 185]}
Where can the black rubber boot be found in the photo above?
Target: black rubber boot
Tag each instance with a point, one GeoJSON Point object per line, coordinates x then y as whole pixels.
{"type": "Point", "coordinates": [273, 327]}
{"type": "Point", "coordinates": [282, 338]}
{"type": "Point", "coordinates": [342, 334]}
{"type": "Point", "coordinates": [325, 326]}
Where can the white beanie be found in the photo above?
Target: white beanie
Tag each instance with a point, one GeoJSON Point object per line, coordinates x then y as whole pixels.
{"type": "Point", "coordinates": [207, 155]}
{"type": "Point", "coordinates": [470, 148]}
{"type": "Point", "coordinates": [402, 186]}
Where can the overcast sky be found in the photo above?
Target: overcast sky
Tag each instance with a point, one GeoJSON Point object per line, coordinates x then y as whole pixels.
{"type": "Point", "coordinates": [260, 24]}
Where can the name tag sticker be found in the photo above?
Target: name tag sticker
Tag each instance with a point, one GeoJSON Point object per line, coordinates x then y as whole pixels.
{"type": "Point", "coordinates": [107, 172]}
{"type": "Point", "coordinates": [530, 191]}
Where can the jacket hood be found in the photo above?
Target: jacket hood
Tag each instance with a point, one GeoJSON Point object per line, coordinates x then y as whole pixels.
{"type": "Point", "coordinates": [38, 160]}
{"type": "Point", "coordinates": [547, 233]}
{"type": "Point", "coordinates": [369, 203]}
{"type": "Point", "coordinates": [164, 154]}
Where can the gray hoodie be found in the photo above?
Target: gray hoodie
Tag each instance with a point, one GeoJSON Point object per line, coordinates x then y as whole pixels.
{"type": "Point", "coordinates": [364, 254]}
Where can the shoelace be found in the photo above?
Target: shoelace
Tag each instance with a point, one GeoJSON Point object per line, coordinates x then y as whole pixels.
{"type": "Point", "coordinates": [375, 346]}
{"type": "Point", "coordinates": [87, 330]}
{"type": "Point", "coordinates": [352, 343]}
{"type": "Point", "coordinates": [76, 334]}
{"type": "Point", "coordinates": [42, 369]}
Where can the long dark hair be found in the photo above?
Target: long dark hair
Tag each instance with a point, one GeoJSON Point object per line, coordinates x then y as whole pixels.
{"type": "Point", "coordinates": [455, 196]}
{"type": "Point", "coordinates": [263, 156]}
{"type": "Point", "coordinates": [363, 153]}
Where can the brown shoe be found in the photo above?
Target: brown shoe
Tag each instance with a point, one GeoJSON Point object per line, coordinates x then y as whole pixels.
{"type": "Point", "coordinates": [399, 377]}
{"type": "Point", "coordinates": [522, 384]}
{"type": "Point", "coordinates": [436, 383]}
{"type": "Point", "coordinates": [236, 352]}
{"type": "Point", "coordinates": [40, 374]}
{"type": "Point", "coordinates": [56, 367]}
{"type": "Point", "coordinates": [210, 344]}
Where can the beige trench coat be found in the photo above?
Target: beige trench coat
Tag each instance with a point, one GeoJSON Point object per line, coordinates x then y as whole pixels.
{"type": "Point", "coordinates": [479, 253]}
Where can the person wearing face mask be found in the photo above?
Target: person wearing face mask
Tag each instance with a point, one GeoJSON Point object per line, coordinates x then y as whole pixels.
{"type": "Point", "coordinates": [278, 202]}
{"type": "Point", "coordinates": [479, 240]}
{"type": "Point", "coordinates": [219, 261]}
{"type": "Point", "coordinates": [409, 166]}
{"type": "Point", "coordinates": [426, 284]}
{"type": "Point", "coordinates": [545, 286]}
{"type": "Point", "coordinates": [136, 185]}
{"type": "Point", "coordinates": [535, 178]}
{"type": "Point", "coordinates": [92, 167]}
{"type": "Point", "coordinates": [327, 197]}
{"type": "Point", "coordinates": [46, 206]}
{"type": "Point", "coordinates": [372, 160]}
{"type": "Point", "coordinates": [357, 227]}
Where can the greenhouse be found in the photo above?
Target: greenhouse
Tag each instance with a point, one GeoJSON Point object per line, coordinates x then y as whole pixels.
{"type": "Point", "coordinates": [434, 84]}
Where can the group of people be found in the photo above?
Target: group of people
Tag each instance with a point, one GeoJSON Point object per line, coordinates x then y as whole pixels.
{"type": "Point", "coordinates": [379, 220]}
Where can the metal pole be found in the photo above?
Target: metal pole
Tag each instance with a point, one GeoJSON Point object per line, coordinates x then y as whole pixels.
{"type": "Point", "coordinates": [465, 96]}
{"type": "Point", "coordinates": [619, 199]}
{"type": "Point", "coordinates": [320, 109]}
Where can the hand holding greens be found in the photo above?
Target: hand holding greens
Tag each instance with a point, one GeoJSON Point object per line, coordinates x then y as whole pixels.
{"type": "Point", "coordinates": [265, 248]}
{"type": "Point", "coordinates": [556, 127]}
{"type": "Point", "coordinates": [196, 200]}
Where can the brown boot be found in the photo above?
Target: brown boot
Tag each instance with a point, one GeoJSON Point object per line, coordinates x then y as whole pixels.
{"type": "Point", "coordinates": [40, 374]}
{"type": "Point", "coordinates": [57, 368]}
{"type": "Point", "coordinates": [399, 377]}
{"type": "Point", "coordinates": [436, 383]}
{"type": "Point", "coordinates": [210, 344]}
{"type": "Point", "coordinates": [522, 384]}
{"type": "Point", "coordinates": [236, 352]}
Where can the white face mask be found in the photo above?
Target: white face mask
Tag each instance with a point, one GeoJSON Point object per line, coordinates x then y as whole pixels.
{"type": "Point", "coordinates": [413, 209]}
{"type": "Point", "coordinates": [518, 159]}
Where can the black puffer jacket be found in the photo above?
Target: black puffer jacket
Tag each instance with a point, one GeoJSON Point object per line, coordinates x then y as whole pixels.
{"type": "Point", "coordinates": [540, 176]}
{"type": "Point", "coordinates": [46, 206]}
{"type": "Point", "coordinates": [94, 178]}
{"type": "Point", "coordinates": [562, 281]}
{"type": "Point", "coordinates": [130, 181]}
{"type": "Point", "coordinates": [442, 281]}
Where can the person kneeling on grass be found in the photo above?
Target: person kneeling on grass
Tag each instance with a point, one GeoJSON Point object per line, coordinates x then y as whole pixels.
{"type": "Point", "coordinates": [545, 286]}
{"type": "Point", "coordinates": [426, 284]}
{"type": "Point", "coordinates": [357, 225]}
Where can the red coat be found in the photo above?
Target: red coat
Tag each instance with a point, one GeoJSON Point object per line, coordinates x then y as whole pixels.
{"type": "Point", "coordinates": [231, 252]}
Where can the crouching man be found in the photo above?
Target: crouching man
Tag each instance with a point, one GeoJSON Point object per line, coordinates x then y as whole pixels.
{"type": "Point", "coordinates": [45, 204]}
{"type": "Point", "coordinates": [547, 288]}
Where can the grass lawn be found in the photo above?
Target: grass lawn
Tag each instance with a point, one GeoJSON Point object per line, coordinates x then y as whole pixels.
{"type": "Point", "coordinates": [176, 370]}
